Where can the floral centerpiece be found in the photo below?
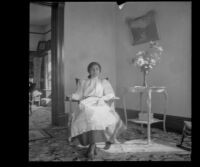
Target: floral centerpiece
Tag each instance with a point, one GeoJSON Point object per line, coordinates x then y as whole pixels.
{"type": "Point", "coordinates": [146, 60]}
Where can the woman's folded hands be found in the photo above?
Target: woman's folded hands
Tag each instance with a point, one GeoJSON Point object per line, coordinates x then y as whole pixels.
{"type": "Point", "coordinates": [100, 101]}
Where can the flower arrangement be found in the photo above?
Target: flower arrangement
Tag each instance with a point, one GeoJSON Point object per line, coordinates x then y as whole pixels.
{"type": "Point", "coordinates": [146, 60]}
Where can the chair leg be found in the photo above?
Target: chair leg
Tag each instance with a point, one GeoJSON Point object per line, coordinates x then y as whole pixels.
{"type": "Point", "coordinates": [164, 127]}
{"type": "Point", "coordinates": [182, 139]}
{"type": "Point", "coordinates": [125, 112]}
{"type": "Point", "coordinates": [183, 136]}
{"type": "Point", "coordinates": [69, 140]}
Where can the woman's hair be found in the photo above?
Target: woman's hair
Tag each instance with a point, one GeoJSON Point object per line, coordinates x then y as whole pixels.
{"type": "Point", "coordinates": [90, 66]}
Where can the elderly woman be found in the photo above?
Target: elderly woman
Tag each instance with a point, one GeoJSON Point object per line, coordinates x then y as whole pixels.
{"type": "Point", "coordinates": [95, 121]}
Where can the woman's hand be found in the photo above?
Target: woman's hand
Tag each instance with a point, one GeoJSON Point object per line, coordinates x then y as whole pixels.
{"type": "Point", "coordinates": [100, 101]}
{"type": "Point", "coordinates": [68, 98]}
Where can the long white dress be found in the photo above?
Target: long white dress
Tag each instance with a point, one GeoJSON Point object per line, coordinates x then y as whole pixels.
{"type": "Point", "coordinates": [93, 113]}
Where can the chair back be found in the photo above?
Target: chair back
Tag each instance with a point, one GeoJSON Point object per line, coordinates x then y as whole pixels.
{"type": "Point", "coordinates": [77, 80]}
{"type": "Point", "coordinates": [32, 87]}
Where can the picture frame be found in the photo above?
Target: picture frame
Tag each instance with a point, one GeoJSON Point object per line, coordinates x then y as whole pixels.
{"type": "Point", "coordinates": [143, 28]}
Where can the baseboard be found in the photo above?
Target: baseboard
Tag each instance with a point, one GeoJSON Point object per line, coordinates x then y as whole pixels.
{"type": "Point", "coordinates": [173, 123]}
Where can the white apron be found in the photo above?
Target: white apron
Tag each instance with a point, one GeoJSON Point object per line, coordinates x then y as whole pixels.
{"type": "Point", "coordinates": [93, 114]}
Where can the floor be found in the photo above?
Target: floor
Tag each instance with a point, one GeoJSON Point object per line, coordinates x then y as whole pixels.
{"type": "Point", "coordinates": [47, 143]}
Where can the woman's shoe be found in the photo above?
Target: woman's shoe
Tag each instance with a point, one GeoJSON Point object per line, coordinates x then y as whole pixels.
{"type": "Point", "coordinates": [90, 156]}
{"type": "Point", "coordinates": [95, 150]}
{"type": "Point", "coordinates": [107, 146]}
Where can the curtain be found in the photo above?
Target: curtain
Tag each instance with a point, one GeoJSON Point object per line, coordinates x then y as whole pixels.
{"type": "Point", "coordinates": [37, 62]}
{"type": "Point", "coordinates": [48, 71]}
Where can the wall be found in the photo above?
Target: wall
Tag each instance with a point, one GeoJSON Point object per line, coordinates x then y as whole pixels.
{"type": "Point", "coordinates": [47, 31]}
{"type": "Point", "coordinates": [174, 71]}
{"type": "Point", "coordinates": [34, 38]}
{"type": "Point", "coordinates": [89, 35]}
{"type": "Point", "coordinates": [38, 34]}
{"type": "Point", "coordinates": [96, 31]}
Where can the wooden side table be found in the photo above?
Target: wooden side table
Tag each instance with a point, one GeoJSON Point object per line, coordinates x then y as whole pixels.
{"type": "Point", "coordinates": [149, 91]}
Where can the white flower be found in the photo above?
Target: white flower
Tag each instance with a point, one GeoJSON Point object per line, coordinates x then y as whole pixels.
{"type": "Point", "coordinates": [145, 60]}
{"type": "Point", "coordinates": [140, 53]}
{"type": "Point", "coordinates": [140, 61]}
{"type": "Point", "coordinates": [160, 48]}
{"type": "Point", "coordinates": [153, 62]}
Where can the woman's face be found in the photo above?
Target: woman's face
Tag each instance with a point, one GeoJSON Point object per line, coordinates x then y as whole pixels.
{"type": "Point", "coordinates": [94, 71]}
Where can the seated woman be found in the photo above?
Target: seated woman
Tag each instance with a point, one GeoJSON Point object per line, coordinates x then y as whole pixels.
{"type": "Point", "coordinates": [96, 121]}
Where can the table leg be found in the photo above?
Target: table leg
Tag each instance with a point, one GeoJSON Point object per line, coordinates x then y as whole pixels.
{"type": "Point", "coordinates": [141, 101]}
{"type": "Point", "coordinates": [125, 112]}
{"type": "Point", "coordinates": [149, 117]}
{"type": "Point", "coordinates": [69, 121]}
{"type": "Point", "coordinates": [141, 93]}
{"type": "Point", "coordinates": [165, 110]}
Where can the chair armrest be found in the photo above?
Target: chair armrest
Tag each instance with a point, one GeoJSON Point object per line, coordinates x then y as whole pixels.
{"type": "Point", "coordinates": [113, 99]}
{"type": "Point", "coordinates": [67, 98]}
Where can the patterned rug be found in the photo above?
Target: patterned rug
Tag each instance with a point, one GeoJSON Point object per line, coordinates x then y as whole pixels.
{"type": "Point", "coordinates": [37, 134]}
{"type": "Point", "coordinates": [137, 146]}
{"type": "Point", "coordinates": [39, 119]}
{"type": "Point", "coordinates": [134, 147]}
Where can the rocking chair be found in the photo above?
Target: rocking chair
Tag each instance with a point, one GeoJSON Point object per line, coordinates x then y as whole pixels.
{"type": "Point", "coordinates": [185, 133]}
{"type": "Point", "coordinates": [70, 114]}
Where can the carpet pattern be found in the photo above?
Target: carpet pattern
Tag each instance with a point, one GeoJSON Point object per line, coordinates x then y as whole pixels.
{"type": "Point", "coordinates": [56, 148]}
{"type": "Point", "coordinates": [37, 134]}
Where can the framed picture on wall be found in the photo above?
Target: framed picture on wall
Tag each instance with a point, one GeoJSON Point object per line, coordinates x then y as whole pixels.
{"type": "Point", "coordinates": [143, 28]}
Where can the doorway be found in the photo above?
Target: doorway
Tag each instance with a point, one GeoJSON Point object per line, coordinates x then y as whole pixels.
{"type": "Point", "coordinates": [48, 74]}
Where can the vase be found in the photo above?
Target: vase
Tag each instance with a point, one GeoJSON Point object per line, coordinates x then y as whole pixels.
{"type": "Point", "coordinates": [141, 93]}
{"type": "Point", "coordinates": [144, 78]}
